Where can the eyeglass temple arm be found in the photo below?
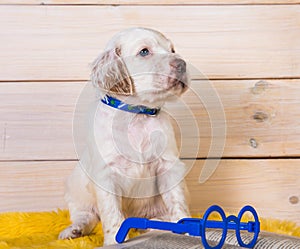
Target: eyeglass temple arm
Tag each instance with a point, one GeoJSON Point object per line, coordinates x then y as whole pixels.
{"type": "Point", "coordinates": [143, 223]}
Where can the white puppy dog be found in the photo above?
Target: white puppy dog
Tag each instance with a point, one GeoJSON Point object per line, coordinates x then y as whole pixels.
{"type": "Point", "coordinates": [139, 173]}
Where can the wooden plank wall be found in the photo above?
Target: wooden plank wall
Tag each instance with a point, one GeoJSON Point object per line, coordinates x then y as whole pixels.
{"type": "Point", "coordinates": [249, 49]}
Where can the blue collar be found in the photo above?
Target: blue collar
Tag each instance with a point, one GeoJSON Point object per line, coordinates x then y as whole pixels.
{"type": "Point", "coordinates": [139, 109]}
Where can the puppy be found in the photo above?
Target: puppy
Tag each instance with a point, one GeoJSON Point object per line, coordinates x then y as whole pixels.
{"type": "Point", "coordinates": [131, 167]}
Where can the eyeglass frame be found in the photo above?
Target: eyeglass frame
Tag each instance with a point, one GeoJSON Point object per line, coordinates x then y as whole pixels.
{"type": "Point", "coordinates": [197, 226]}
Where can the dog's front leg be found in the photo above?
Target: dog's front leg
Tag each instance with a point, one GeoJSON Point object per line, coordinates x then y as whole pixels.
{"type": "Point", "coordinates": [175, 202]}
{"type": "Point", "coordinates": [173, 190]}
{"type": "Point", "coordinates": [110, 210]}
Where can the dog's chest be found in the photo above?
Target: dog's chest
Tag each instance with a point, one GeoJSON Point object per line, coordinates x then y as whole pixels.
{"type": "Point", "coordinates": [137, 138]}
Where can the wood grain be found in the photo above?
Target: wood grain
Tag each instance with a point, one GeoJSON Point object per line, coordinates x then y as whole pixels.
{"type": "Point", "coordinates": [271, 186]}
{"type": "Point", "coordinates": [59, 42]}
{"type": "Point", "coordinates": [33, 186]}
{"type": "Point", "coordinates": [262, 119]}
{"type": "Point", "coordinates": [36, 120]}
{"type": "Point", "coordinates": [268, 185]}
{"type": "Point", "coordinates": [149, 2]}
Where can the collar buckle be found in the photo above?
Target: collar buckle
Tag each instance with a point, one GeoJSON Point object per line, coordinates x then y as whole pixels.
{"type": "Point", "coordinates": [155, 113]}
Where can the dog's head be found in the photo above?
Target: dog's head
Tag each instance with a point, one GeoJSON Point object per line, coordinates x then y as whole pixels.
{"type": "Point", "coordinates": [141, 63]}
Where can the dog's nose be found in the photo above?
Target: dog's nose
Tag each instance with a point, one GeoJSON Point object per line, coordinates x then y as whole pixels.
{"type": "Point", "coordinates": [179, 65]}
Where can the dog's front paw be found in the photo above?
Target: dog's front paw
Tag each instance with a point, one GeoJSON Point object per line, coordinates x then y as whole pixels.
{"type": "Point", "coordinates": [71, 232]}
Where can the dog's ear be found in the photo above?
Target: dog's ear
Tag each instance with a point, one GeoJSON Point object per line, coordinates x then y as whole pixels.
{"type": "Point", "coordinates": [109, 72]}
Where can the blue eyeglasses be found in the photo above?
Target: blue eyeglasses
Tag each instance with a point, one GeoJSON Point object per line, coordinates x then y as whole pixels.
{"type": "Point", "coordinates": [196, 226]}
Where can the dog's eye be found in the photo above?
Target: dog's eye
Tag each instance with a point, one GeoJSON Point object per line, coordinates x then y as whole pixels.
{"type": "Point", "coordinates": [144, 52]}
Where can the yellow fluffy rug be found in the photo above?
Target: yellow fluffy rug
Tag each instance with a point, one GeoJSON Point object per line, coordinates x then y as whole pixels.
{"type": "Point", "coordinates": [39, 230]}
